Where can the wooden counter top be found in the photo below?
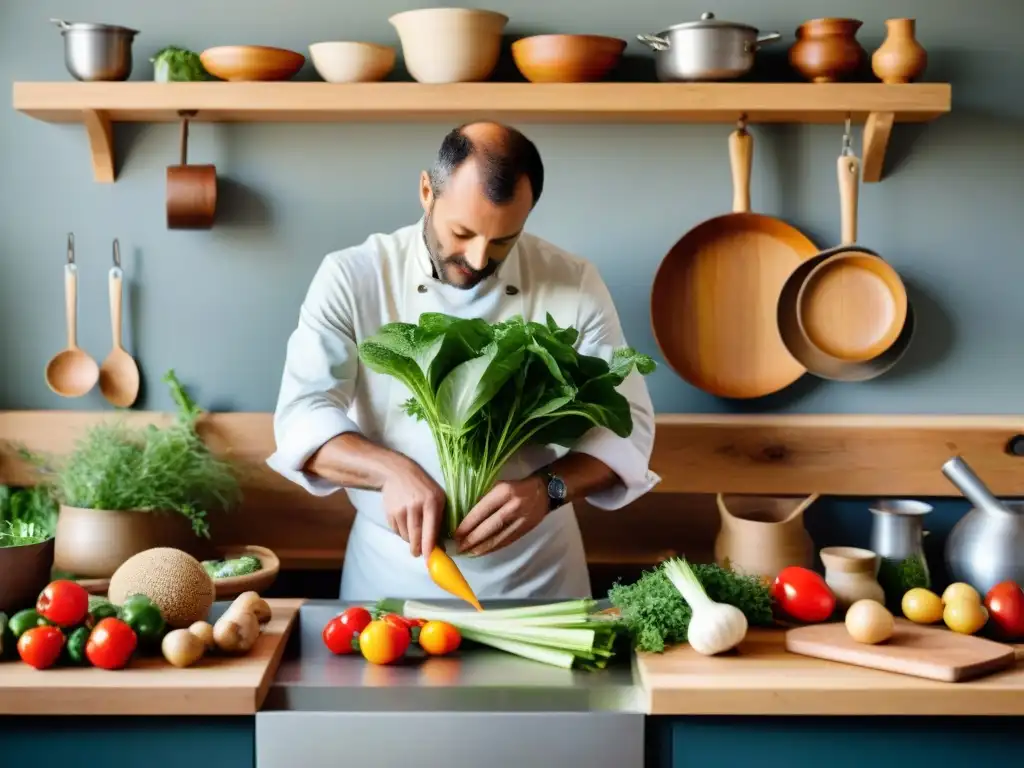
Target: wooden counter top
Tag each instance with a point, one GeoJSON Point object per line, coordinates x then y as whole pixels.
{"type": "Point", "coordinates": [217, 685]}
{"type": "Point", "coordinates": [764, 679]}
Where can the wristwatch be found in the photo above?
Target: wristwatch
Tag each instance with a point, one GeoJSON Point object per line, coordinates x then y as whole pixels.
{"type": "Point", "coordinates": [557, 491]}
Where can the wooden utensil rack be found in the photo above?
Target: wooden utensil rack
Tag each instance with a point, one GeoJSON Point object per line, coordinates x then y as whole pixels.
{"type": "Point", "coordinates": [98, 106]}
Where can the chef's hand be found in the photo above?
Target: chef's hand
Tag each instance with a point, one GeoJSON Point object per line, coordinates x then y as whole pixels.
{"type": "Point", "coordinates": [508, 512]}
{"type": "Point", "coordinates": [413, 504]}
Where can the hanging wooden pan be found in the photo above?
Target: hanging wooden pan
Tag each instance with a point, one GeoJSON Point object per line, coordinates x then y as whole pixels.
{"type": "Point", "coordinates": [852, 305]}
{"type": "Point", "coordinates": [715, 295]}
{"type": "Point", "coordinates": [817, 361]}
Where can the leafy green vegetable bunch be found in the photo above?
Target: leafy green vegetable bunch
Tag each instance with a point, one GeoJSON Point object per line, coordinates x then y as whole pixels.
{"type": "Point", "coordinates": [169, 469]}
{"type": "Point", "coordinates": [175, 64]}
{"type": "Point", "coordinates": [486, 390]}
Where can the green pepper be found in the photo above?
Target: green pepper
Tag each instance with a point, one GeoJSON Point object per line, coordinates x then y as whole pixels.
{"type": "Point", "coordinates": [100, 611]}
{"type": "Point", "coordinates": [74, 648]}
{"type": "Point", "coordinates": [139, 613]}
{"type": "Point", "coordinates": [5, 641]}
{"type": "Point", "coordinates": [23, 621]}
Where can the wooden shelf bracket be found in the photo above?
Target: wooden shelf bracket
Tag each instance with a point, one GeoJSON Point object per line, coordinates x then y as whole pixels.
{"type": "Point", "coordinates": [100, 131]}
{"type": "Point", "coordinates": [877, 130]}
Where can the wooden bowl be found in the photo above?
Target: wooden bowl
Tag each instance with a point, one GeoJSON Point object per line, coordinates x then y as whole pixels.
{"type": "Point", "coordinates": [238, 63]}
{"type": "Point", "coordinates": [567, 58]}
{"type": "Point", "coordinates": [352, 62]}
{"type": "Point", "coordinates": [254, 582]}
{"type": "Point", "coordinates": [852, 306]}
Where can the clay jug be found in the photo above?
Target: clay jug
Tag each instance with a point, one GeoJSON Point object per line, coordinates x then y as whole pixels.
{"type": "Point", "coordinates": [852, 574]}
{"type": "Point", "coordinates": [901, 58]}
{"type": "Point", "coordinates": [826, 50]}
{"type": "Point", "coordinates": [761, 535]}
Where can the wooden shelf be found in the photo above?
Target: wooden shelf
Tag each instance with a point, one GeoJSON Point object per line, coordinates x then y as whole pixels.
{"type": "Point", "coordinates": [99, 105]}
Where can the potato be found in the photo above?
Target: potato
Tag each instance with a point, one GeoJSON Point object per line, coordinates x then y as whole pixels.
{"type": "Point", "coordinates": [236, 631]}
{"type": "Point", "coordinates": [204, 631]}
{"type": "Point", "coordinates": [251, 602]}
{"type": "Point", "coordinates": [182, 648]}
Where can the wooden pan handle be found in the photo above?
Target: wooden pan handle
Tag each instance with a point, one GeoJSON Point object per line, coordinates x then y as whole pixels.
{"type": "Point", "coordinates": [114, 289]}
{"type": "Point", "coordinates": [71, 303]}
{"type": "Point", "coordinates": [741, 153]}
{"type": "Point", "coordinates": [848, 169]}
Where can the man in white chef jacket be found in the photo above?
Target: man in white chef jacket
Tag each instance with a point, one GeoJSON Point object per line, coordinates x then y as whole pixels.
{"type": "Point", "coordinates": [339, 425]}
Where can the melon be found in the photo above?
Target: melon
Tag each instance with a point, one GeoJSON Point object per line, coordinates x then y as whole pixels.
{"type": "Point", "coordinates": [174, 580]}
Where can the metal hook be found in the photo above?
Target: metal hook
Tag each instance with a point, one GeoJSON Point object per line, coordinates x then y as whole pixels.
{"type": "Point", "coordinates": [117, 254]}
{"type": "Point", "coordinates": [71, 248]}
{"type": "Point", "coordinates": [847, 137]}
{"type": "Point", "coordinates": [741, 124]}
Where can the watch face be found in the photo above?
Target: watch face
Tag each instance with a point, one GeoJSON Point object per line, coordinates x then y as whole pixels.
{"type": "Point", "coordinates": [556, 488]}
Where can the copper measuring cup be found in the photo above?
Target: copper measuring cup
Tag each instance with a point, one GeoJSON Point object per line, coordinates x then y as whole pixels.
{"type": "Point", "coordinates": [191, 189]}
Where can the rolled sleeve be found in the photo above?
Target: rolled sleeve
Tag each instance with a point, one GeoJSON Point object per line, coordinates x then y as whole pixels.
{"type": "Point", "coordinates": [318, 382]}
{"type": "Point", "coordinates": [629, 457]}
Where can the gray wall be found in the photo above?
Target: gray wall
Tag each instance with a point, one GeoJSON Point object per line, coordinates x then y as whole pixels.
{"type": "Point", "coordinates": [218, 306]}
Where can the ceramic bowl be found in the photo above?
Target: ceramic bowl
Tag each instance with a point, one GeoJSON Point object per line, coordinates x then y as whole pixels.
{"type": "Point", "coordinates": [352, 62]}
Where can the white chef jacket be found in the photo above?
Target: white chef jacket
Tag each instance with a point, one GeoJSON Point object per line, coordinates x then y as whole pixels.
{"type": "Point", "coordinates": [326, 391]}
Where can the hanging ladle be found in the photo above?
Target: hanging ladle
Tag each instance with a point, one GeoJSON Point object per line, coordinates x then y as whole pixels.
{"type": "Point", "coordinates": [119, 374]}
{"type": "Point", "coordinates": [73, 372]}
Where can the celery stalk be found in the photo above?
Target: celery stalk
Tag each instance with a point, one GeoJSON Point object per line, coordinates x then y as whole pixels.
{"type": "Point", "coordinates": [553, 656]}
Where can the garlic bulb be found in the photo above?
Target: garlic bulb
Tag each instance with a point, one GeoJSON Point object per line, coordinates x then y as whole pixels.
{"type": "Point", "coordinates": [714, 627]}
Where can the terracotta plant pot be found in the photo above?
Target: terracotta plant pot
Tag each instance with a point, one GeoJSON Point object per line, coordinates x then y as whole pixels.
{"type": "Point", "coordinates": [826, 50]}
{"type": "Point", "coordinates": [93, 543]}
{"type": "Point", "coordinates": [900, 59]}
{"type": "Point", "coordinates": [24, 573]}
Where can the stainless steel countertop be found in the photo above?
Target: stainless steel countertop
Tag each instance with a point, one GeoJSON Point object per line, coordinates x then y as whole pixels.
{"type": "Point", "coordinates": [311, 678]}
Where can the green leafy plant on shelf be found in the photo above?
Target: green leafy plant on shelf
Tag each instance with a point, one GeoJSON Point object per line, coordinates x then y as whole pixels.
{"type": "Point", "coordinates": [115, 466]}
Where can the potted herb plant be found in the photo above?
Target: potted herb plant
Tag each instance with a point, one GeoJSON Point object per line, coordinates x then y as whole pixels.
{"type": "Point", "coordinates": [27, 520]}
{"type": "Point", "coordinates": [126, 489]}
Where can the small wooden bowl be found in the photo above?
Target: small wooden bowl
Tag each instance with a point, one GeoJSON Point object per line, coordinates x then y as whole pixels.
{"type": "Point", "coordinates": [567, 58]}
{"type": "Point", "coordinates": [238, 63]}
{"type": "Point", "coordinates": [254, 582]}
{"type": "Point", "coordinates": [852, 306]}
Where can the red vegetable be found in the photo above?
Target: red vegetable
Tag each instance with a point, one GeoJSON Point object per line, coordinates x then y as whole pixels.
{"type": "Point", "coordinates": [340, 637]}
{"type": "Point", "coordinates": [40, 647]}
{"type": "Point", "coordinates": [1005, 603]}
{"type": "Point", "coordinates": [111, 644]}
{"type": "Point", "coordinates": [356, 617]}
{"type": "Point", "coordinates": [64, 603]}
{"type": "Point", "coordinates": [803, 594]}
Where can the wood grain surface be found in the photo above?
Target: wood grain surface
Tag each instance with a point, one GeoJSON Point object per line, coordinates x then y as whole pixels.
{"type": "Point", "coordinates": [217, 685]}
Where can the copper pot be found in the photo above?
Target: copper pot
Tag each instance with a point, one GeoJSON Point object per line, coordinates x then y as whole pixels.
{"type": "Point", "coordinates": [191, 191]}
{"type": "Point", "coordinates": [826, 50]}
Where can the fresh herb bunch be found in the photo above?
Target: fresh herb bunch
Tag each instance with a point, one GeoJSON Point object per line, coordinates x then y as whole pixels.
{"type": "Point", "coordinates": [657, 617]}
{"type": "Point", "coordinates": [169, 469]}
{"type": "Point", "coordinates": [176, 64]}
{"type": "Point", "coordinates": [486, 390]}
{"type": "Point", "coordinates": [33, 506]}
{"type": "Point", "coordinates": [21, 534]}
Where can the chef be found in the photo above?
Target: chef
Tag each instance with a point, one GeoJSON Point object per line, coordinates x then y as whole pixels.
{"type": "Point", "coordinates": [339, 425]}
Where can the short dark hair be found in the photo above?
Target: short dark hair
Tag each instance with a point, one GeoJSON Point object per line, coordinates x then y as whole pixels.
{"type": "Point", "coordinates": [501, 165]}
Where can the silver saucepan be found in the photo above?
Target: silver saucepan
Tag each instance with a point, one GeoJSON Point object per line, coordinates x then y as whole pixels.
{"type": "Point", "coordinates": [97, 51]}
{"type": "Point", "coordinates": [708, 49]}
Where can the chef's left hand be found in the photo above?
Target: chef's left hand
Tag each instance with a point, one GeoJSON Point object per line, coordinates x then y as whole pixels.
{"type": "Point", "coordinates": [509, 511]}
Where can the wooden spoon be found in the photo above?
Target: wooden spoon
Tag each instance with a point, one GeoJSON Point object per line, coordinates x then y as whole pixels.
{"type": "Point", "coordinates": [119, 374]}
{"type": "Point", "coordinates": [73, 372]}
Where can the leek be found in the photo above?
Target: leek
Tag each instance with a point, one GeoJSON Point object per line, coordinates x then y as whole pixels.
{"type": "Point", "coordinates": [566, 634]}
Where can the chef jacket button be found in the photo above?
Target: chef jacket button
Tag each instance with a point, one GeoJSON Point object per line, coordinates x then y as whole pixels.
{"type": "Point", "coordinates": [421, 288]}
{"type": "Point", "coordinates": [511, 290]}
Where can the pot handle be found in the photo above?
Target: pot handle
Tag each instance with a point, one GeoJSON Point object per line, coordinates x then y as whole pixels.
{"type": "Point", "coordinates": [60, 23]}
{"type": "Point", "coordinates": [655, 42]}
{"type": "Point", "coordinates": [770, 37]}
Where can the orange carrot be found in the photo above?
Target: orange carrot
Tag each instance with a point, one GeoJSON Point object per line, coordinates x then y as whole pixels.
{"type": "Point", "coordinates": [447, 576]}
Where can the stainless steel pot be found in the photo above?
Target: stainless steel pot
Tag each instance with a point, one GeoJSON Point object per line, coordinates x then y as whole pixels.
{"type": "Point", "coordinates": [708, 49]}
{"type": "Point", "coordinates": [97, 51]}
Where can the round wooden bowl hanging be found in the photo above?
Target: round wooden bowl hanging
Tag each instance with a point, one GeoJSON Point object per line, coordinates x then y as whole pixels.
{"type": "Point", "coordinates": [715, 295]}
{"type": "Point", "coordinates": [191, 190]}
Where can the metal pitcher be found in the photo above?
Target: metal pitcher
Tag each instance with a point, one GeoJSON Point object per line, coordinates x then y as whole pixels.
{"type": "Point", "coordinates": [897, 537]}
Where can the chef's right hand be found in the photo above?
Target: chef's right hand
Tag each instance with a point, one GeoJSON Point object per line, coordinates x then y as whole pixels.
{"type": "Point", "coordinates": [413, 505]}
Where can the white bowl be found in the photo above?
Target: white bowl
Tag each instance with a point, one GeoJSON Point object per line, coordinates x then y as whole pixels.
{"type": "Point", "coordinates": [450, 45]}
{"type": "Point", "coordinates": [351, 62]}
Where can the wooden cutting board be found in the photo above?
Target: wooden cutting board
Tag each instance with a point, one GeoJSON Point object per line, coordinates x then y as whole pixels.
{"type": "Point", "coordinates": [929, 652]}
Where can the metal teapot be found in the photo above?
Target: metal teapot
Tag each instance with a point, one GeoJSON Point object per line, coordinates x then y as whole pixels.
{"type": "Point", "coordinates": [987, 545]}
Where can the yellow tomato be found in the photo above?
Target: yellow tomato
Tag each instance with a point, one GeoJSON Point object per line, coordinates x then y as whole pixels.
{"type": "Point", "coordinates": [439, 638]}
{"type": "Point", "coordinates": [922, 606]}
{"type": "Point", "coordinates": [959, 590]}
{"type": "Point", "coordinates": [383, 643]}
{"type": "Point", "coordinates": [965, 615]}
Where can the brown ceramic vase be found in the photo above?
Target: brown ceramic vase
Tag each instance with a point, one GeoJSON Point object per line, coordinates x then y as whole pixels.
{"type": "Point", "coordinates": [901, 58]}
{"type": "Point", "coordinates": [827, 50]}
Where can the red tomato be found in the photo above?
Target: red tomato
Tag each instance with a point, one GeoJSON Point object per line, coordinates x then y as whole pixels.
{"type": "Point", "coordinates": [40, 647]}
{"type": "Point", "coordinates": [111, 644]}
{"type": "Point", "coordinates": [64, 603]}
{"type": "Point", "coordinates": [339, 637]}
{"type": "Point", "coordinates": [356, 617]}
{"type": "Point", "coordinates": [399, 622]}
{"type": "Point", "coordinates": [803, 594]}
{"type": "Point", "coordinates": [1005, 603]}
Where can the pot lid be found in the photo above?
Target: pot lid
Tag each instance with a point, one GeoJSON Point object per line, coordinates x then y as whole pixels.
{"type": "Point", "coordinates": [708, 21]}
